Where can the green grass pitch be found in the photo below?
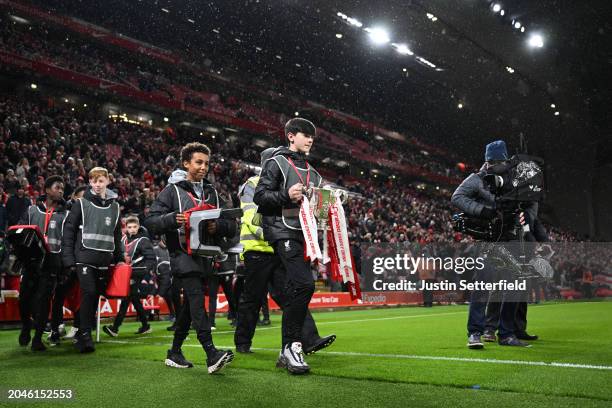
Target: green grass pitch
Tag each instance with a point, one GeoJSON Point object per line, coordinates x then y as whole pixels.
{"type": "Point", "coordinates": [407, 356]}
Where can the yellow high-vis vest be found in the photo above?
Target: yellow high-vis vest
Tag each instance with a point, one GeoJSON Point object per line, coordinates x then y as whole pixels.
{"type": "Point", "coordinates": [251, 235]}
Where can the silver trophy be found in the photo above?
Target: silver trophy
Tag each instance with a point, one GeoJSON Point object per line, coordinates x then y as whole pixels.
{"type": "Point", "coordinates": [321, 199]}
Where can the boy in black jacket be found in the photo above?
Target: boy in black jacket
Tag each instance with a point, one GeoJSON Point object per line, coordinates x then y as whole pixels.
{"type": "Point", "coordinates": [38, 282]}
{"type": "Point", "coordinates": [187, 188]}
{"type": "Point", "coordinates": [284, 178]}
{"type": "Point", "coordinates": [91, 243]}
{"type": "Point", "coordinates": [64, 285]}
{"type": "Point", "coordinates": [139, 249]}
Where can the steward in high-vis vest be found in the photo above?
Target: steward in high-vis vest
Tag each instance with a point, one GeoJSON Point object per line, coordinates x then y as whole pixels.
{"type": "Point", "coordinates": [139, 249]}
{"type": "Point", "coordinates": [279, 193]}
{"type": "Point", "coordinates": [91, 243]}
{"type": "Point", "coordinates": [263, 269]}
{"type": "Point", "coordinates": [38, 281]}
{"type": "Point", "coordinates": [187, 189]}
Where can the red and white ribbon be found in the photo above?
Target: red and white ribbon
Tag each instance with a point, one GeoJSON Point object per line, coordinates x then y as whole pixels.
{"type": "Point", "coordinates": [342, 264]}
{"type": "Point", "coordinates": [309, 229]}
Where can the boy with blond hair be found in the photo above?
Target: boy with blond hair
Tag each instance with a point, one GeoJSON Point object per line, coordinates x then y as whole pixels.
{"type": "Point", "coordinates": [91, 244]}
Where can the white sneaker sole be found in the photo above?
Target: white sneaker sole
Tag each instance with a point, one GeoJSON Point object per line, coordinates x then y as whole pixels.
{"type": "Point", "coordinates": [149, 330]}
{"type": "Point", "coordinates": [223, 361]}
{"type": "Point", "coordinates": [172, 364]}
{"type": "Point", "coordinates": [110, 333]}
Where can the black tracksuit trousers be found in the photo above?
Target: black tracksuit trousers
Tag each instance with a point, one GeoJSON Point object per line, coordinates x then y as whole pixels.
{"type": "Point", "coordinates": [266, 269]}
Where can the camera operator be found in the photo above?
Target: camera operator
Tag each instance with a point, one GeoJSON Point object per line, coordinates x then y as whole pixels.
{"type": "Point", "coordinates": [537, 233]}
{"type": "Point", "coordinates": [476, 197]}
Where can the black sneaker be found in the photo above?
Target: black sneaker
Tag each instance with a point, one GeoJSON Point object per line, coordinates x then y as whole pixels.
{"type": "Point", "coordinates": [177, 360]}
{"type": "Point", "coordinates": [489, 337]}
{"type": "Point", "coordinates": [171, 328]}
{"type": "Point", "coordinates": [244, 349]}
{"type": "Point", "coordinates": [24, 337]}
{"type": "Point", "coordinates": [54, 338]}
{"type": "Point", "coordinates": [233, 323]}
{"type": "Point", "coordinates": [218, 359]}
{"type": "Point", "coordinates": [144, 329]}
{"type": "Point", "coordinates": [264, 322]}
{"type": "Point", "coordinates": [512, 341]}
{"type": "Point", "coordinates": [474, 341]}
{"type": "Point", "coordinates": [37, 345]}
{"type": "Point", "coordinates": [320, 344]}
{"type": "Point", "coordinates": [110, 330]}
{"type": "Point", "coordinates": [526, 336]}
{"type": "Point", "coordinates": [84, 343]}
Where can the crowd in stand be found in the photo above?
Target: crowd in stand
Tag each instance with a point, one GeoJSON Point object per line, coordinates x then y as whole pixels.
{"type": "Point", "coordinates": [38, 140]}
{"type": "Point", "coordinates": [193, 87]}
{"type": "Point", "coordinates": [42, 139]}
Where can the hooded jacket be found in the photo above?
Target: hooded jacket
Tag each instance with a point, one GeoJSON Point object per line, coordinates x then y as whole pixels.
{"type": "Point", "coordinates": [272, 195]}
{"type": "Point", "coordinates": [162, 221]}
{"type": "Point", "coordinates": [73, 251]}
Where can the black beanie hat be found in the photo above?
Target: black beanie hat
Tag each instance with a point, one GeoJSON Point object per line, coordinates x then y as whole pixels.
{"type": "Point", "coordinates": [296, 125]}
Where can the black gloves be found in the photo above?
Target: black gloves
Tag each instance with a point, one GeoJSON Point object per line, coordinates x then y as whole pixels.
{"type": "Point", "coordinates": [488, 213]}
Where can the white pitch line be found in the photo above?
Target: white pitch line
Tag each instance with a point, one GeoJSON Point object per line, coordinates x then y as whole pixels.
{"type": "Point", "coordinates": [332, 322]}
{"type": "Point", "coordinates": [409, 357]}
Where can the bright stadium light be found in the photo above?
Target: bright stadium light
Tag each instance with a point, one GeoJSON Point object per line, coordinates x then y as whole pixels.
{"type": "Point", "coordinates": [536, 41]}
{"type": "Point", "coordinates": [338, 35]}
{"type": "Point", "coordinates": [522, 29]}
{"type": "Point", "coordinates": [553, 106]}
{"type": "Point", "coordinates": [426, 62]}
{"type": "Point", "coordinates": [354, 22]}
{"type": "Point", "coordinates": [33, 86]}
{"type": "Point", "coordinates": [166, 119]}
{"type": "Point", "coordinates": [496, 8]}
{"type": "Point", "coordinates": [502, 12]}
{"type": "Point", "coordinates": [402, 49]}
{"type": "Point", "coordinates": [517, 25]}
{"type": "Point", "coordinates": [378, 35]}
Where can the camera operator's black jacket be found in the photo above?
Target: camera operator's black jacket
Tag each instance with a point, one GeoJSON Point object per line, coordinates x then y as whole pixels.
{"type": "Point", "coordinates": [162, 221]}
{"type": "Point", "coordinates": [474, 194]}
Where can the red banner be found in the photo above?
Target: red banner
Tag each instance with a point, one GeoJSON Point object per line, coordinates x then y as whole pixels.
{"type": "Point", "coordinates": [9, 303]}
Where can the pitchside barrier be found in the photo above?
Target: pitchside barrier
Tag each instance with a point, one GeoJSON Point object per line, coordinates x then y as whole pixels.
{"type": "Point", "coordinates": [9, 302]}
